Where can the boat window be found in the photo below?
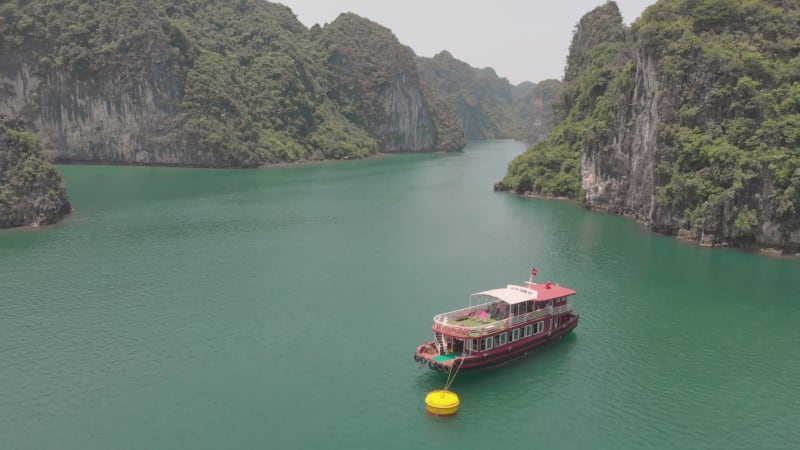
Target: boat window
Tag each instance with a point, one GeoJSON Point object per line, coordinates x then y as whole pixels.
{"type": "Point", "coordinates": [539, 327]}
{"type": "Point", "coordinates": [502, 339]}
{"type": "Point", "coordinates": [529, 330]}
{"type": "Point", "coordinates": [474, 344]}
{"type": "Point", "coordinates": [489, 341]}
{"type": "Point", "coordinates": [483, 344]}
{"type": "Point", "coordinates": [515, 335]}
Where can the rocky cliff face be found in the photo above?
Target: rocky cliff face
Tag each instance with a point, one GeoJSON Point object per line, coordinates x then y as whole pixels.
{"type": "Point", "coordinates": [208, 83]}
{"type": "Point", "coordinates": [489, 107]}
{"type": "Point", "coordinates": [686, 122]}
{"type": "Point", "coordinates": [535, 107]}
{"type": "Point", "coordinates": [114, 117]}
{"type": "Point", "coordinates": [92, 90]}
{"type": "Point", "coordinates": [374, 78]}
{"type": "Point", "coordinates": [653, 167]}
{"type": "Point", "coordinates": [31, 191]}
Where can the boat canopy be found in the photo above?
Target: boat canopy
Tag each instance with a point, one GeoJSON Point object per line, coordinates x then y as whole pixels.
{"type": "Point", "coordinates": [513, 294]}
{"type": "Point", "coordinates": [510, 294]}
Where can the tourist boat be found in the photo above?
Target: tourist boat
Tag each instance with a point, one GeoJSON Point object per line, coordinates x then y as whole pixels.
{"type": "Point", "coordinates": [499, 325]}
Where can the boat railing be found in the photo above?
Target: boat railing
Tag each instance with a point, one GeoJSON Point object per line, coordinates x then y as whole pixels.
{"type": "Point", "coordinates": [441, 325]}
{"type": "Point", "coordinates": [566, 307]}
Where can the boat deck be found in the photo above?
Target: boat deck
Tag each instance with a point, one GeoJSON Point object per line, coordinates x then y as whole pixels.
{"type": "Point", "coordinates": [473, 322]}
{"type": "Point", "coordinates": [447, 357]}
{"type": "Point", "coordinates": [477, 322]}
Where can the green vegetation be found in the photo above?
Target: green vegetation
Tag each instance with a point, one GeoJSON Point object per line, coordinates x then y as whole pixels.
{"type": "Point", "coordinates": [583, 111]}
{"type": "Point", "coordinates": [88, 37]}
{"type": "Point", "coordinates": [254, 85]}
{"type": "Point", "coordinates": [550, 168]}
{"type": "Point", "coordinates": [534, 105]}
{"type": "Point", "coordinates": [362, 66]}
{"type": "Point", "coordinates": [338, 138]}
{"type": "Point", "coordinates": [727, 156]}
{"type": "Point", "coordinates": [734, 141]}
{"type": "Point", "coordinates": [449, 132]}
{"type": "Point", "coordinates": [31, 191]}
{"type": "Point", "coordinates": [364, 71]}
{"type": "Point", "coordinates": [251, 95]}
{"type": "Point", "coordinates": [488, 106]}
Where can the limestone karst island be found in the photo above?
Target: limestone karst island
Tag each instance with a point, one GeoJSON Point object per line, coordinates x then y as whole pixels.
{"type": "Point", "coordinates": [243, 224]}
{"type": "Point", "coordinates": [683, 120]}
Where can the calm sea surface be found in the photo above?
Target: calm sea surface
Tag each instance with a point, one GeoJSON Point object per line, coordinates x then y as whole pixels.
{"type": "Point", "coordinates": [279, 309]}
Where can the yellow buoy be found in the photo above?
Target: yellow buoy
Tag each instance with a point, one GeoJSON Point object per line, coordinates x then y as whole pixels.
{"type": "Point", "coordinates": [442, 403]}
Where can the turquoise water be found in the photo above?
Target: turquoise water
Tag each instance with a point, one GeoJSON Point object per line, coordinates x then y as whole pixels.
{"type": "Point", "coordinates": [208, 309]}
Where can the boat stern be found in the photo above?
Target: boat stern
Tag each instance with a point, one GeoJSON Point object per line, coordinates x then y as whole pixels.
{"type": "Point", "coordinates": [428, 355]}
{"type": "Point", "coordinates": [426, 352]}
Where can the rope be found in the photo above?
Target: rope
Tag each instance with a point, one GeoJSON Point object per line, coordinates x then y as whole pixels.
{"type": "Point", "coordinates": [451, 377]}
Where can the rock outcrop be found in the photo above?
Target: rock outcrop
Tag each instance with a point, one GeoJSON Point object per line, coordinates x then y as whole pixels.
{"type": "Point", "coordinates": [31, 190]}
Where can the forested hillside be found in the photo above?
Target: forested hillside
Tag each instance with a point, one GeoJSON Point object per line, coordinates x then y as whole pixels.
{"type": "Point", "coordinates": [489, 107]}
{"type": "Point", "coordinates": [687, 121]}
{"type": "Point", "coordinates": [211, 83]}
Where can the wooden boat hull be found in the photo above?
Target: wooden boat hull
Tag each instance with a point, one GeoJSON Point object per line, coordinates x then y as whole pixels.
{"type": "Point", "coordinates": [497, 356]}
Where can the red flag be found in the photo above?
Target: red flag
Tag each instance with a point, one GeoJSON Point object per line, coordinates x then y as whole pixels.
{"type": "Point", "coordinates": [534, 272]}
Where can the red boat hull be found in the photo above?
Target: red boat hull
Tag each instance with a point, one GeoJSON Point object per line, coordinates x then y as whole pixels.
{"type": "Point", "coordinates": [497, 356]}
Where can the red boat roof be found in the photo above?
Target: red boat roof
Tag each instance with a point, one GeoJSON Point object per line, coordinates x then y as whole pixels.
{"type": "Point", "coordinates": [548, 291]}
{"type": "Point", "coordinates": [512, 294]}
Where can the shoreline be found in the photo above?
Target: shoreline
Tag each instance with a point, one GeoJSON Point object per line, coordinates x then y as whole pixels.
{"type": "Point", "coordinates": [67, 218]}
{"type": "Point", "coordinates": [762, 250]}
{"type": "Point", "coordinates": [311, 162]}
{"type": "Point", "coordinates": [278, 165]}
